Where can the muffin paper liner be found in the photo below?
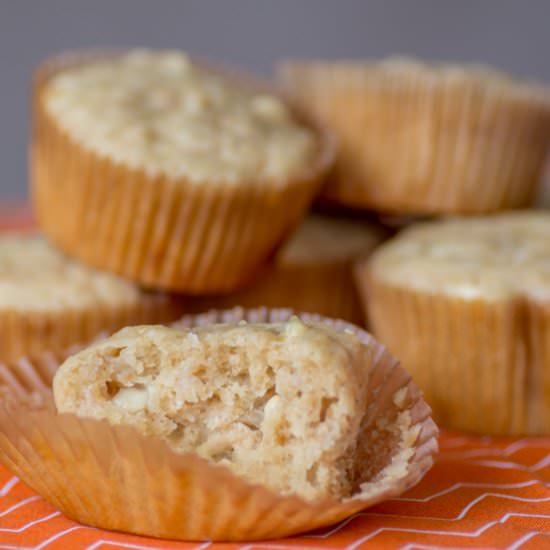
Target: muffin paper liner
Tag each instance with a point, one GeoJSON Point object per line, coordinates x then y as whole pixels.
{"type": "Point", "coordinates": [324, 288]}
{"type": "Point", "coordinates": [162, 232]}
{"type": "Point", "coordinates": [413, 143]}
{"type": "Point", "coordinates": [112, 477]}
{"type": "Point", "coordinates": [24, 333]}
{"type": "Point", "coordinates": [483, 366]}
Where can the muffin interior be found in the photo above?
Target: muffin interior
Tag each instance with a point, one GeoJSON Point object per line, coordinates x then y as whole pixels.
{"type": "Point", "coordinates": [280, 404]}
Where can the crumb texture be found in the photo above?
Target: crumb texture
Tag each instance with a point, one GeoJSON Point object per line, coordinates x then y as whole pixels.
{"type": "Point", "coordinates": [280, 404]}
{"type": "Point", "coordinates": [161, 112]}
{"type": "Point", "coordinates": [36, 277]}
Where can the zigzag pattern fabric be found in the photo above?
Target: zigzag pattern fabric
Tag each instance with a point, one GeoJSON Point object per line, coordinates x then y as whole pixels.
{"type": "Point", "coordinates": [482, 493]}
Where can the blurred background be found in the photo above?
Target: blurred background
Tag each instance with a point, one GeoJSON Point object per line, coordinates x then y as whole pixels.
{"type": "Point", "coordinates": [510, 34]}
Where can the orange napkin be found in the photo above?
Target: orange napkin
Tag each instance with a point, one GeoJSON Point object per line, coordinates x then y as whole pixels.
{"type": "Point", "coordinates": [482, 493]}
{"type": "Point", "coordinates": [15, 216]}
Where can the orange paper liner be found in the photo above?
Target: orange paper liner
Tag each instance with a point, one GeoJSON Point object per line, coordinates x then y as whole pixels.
{"type": "Point", "coordinates": [162, 232]}
{"type": "Point", "coordinates": [112, 477]}
{"type": "Point", "coordinates": [484, 366]}
{"type": "Point", "coordinates": [412, 143]}
{"type": "Point", "coordinates": [31, 332]}
{"type": "Point", "coordinates": [325, 288]}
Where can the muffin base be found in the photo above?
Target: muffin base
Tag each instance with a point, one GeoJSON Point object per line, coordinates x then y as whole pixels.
{"type": "Point", "coordinates": [484, 366]}
{"type": "Point", "coordinates": [121, 480]}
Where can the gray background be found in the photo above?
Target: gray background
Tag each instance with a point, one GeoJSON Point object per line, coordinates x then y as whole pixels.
{"type": "Point", "coordinates": [513, 35]}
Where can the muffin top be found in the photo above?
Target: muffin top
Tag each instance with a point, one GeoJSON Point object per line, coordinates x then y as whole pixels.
{"type": "Point", "coordinates": [35, 277]}
{"type": "Point", "coordinates": [491, 258]}
{"type": "Point", "coordinates": [359, 72]}
{"type": "Point", "coordinates": [326, 239]}
{"type": "Point", "coordinates": [159, 111]}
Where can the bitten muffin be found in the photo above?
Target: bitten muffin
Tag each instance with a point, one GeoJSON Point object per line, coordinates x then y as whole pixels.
{"type": "Point", "coordinates": [280, 404]}
{"type": "Point", "coordinates": [465, 304]}
{"type": "Point", "coordinates": [48, 302]}
{"type": "Point", "coordinates": [312, 272]}
{"type": "Point", "coordinates": [420, 138]}
{"type": "Point", "coordinates": [278, 394]}
{"type": "Point", "coordinates": [167, 171]}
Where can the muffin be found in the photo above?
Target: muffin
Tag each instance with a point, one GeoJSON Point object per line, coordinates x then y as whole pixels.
{"type": "Point", "coordinates": [465, 304]}
{"type": "Point", "coordinates": [356, 423]}
{"type": "Point", "coordinates": [166, 171]}
{"type": "Point", "coordinates": [418, 138]}
{"type": "Point", "coordinates": [48, 302]}
{"type": "Point", "coordinates": [311, 272]}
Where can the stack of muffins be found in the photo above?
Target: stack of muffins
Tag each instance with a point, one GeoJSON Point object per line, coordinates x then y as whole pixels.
{"type": "Point", "coordinates": [181, 187]}
{"type": "Point", "coordinates": [166, 186]}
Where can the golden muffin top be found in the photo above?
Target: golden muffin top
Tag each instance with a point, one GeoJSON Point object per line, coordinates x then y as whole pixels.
{"type": "Point", "coordinates": [163, 113]}
{"type": "Point", "coordinates": [393, 70]}
{"type": "Point", "coordinates": [489, 258]}
{"type": "Point", "coordinates": [35, 277]}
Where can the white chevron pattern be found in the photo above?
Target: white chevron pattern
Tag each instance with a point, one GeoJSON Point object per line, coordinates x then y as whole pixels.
{"type": "Point", "coordinates": [104, 542]}
{"type": "Point", "coordinates": [369, 524]}
{"type": "Point", "coordinates": [30, 524]}
{"type": "Point", "coordinates": [506, 451]}
{"type": "Point", "coordinates": [19, 505]}
{"type": "Point", "coordinates": [261, 546]}
{"type": "Point", "coordinates": [57, 536]}
{"type": "Point", "coordinates": [541, 464]}
{"type": "Point", "coordinates": [8, 486]}
{"type": "Point", "coordinates": [525, 538]}
{"type": "Point", "coordinates": [461, 485]}
{"type": "Point", "coordinates": [459, 517]}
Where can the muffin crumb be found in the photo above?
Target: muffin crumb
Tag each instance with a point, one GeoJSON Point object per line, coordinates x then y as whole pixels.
{"type": "Point", "coordinates": [280, 404]}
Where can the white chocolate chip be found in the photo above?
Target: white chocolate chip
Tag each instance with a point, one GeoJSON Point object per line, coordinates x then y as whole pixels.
{"type": "Point", "coordinates": [132, 399]}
